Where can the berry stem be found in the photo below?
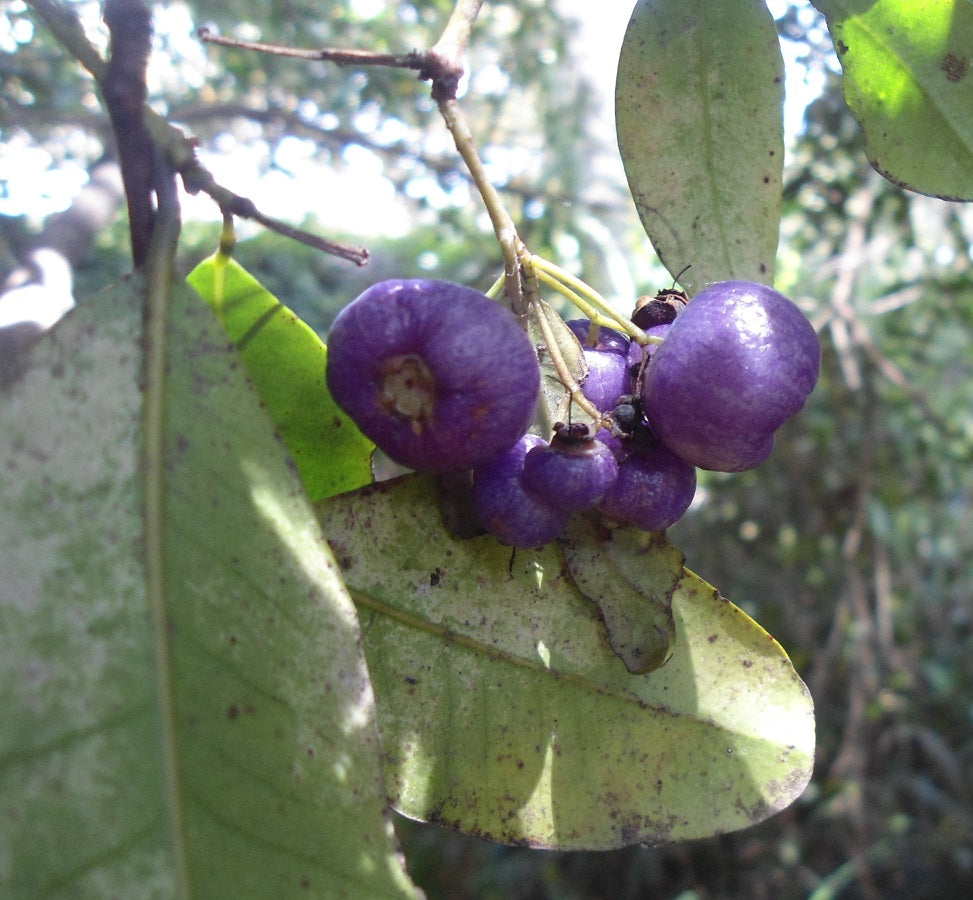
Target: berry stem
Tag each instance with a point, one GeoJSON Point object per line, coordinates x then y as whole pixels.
{"type": "Point", "coordinates": [588, 309]}
{"type": "Point", "coordinates": [575, 289]}
{"type": "Point", "coordinates": [564, 372]}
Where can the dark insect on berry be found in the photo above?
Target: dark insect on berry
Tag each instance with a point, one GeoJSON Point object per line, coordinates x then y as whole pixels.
{"type": "Point", "coordinates": [573, 432]}
{"type": "Point", "coordinates": [626, 415]}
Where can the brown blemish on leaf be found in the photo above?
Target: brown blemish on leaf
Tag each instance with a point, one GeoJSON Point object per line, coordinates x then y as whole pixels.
{"type": "Point", "coordinates": [954, 67]}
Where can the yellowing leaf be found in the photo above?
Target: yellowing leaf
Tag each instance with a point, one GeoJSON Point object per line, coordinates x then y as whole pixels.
{"type": "Point", "coordinates": [286, 361]}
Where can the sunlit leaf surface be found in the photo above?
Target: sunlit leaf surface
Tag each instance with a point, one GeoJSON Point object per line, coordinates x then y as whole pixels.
{"type": "Point", "coordinates": [505, 712]}
{"type": "Point", "coordinates": [698, 101]}
{"type": "Point", "coordinates": [907, 78]}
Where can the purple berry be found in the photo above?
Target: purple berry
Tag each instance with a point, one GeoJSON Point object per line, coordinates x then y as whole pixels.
{"type": "Point", "coordinates": [608, 378]}
{"type": "Point", "coordinates": [505, 509]}
{"type": "Point", "coordinates": [636, 352]}
{"type": "Point", "coordinates": [439, 376]}
{"type": "Point", "coordinates": [608, 338]}
{"type": "Point", "coordinates": [652, 490]}
{"type": "Point", "coordinates": [571, 473]}
{"type": "Point", "coordinates": [737, 362]}
{"type": "Point", "coordinates": [607, 360]}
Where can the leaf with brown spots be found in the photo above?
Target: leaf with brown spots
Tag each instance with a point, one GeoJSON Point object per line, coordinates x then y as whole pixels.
{"type": "Point", "coordinates": [202, 726]}
{"type": "Point", "coordinates": [505, 712]}
{"type": "Point", "coordinates": [630, 575]}
{"type": "Point", "coordinates": [905, 67]}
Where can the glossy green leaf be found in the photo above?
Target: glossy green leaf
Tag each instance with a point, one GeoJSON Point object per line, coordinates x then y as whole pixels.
{"type": "Point", "coordinates": [698, 107]}
{"type": "Point", "coordinates": [504, 712]}
{"type": "Point", "coordinates": [286, 361]}
{"type": "Point", "coordinates": [630, 575]}
{"type": "Point", "coordinates": [206, 733]}
{"type": "Point", "coordinates": [907, 79]}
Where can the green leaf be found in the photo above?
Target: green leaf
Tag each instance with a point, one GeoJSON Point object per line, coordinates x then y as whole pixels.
{"type": "Point", "coordinates": [698, 101]}
{"type": "Point", "coordinates": [286, 361]}
{"type": "Point", "coordinates": [907, 79]}
{"type": "Point", "coordinates": [204, 731]}
{"type": "Point", "coordinates": [505, 713]}
{"type": "Point", "coordinates": [630, 575]}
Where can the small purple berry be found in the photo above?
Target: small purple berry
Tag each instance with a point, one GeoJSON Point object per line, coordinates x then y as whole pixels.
{"type": "Point", "coordinates": [608, 378]}
{"type": "Point", "coordinates": [569, 473]}
{"type": "Point", "coordinates": [607, 361]}
{"type": "Point", "coordinates": [506, 509]}
{"type": "Point", "coordinates": [652, 490]}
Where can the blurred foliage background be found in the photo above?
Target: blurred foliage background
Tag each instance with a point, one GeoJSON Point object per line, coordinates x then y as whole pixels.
{"type": "Point", "coordinates": [852, 544]}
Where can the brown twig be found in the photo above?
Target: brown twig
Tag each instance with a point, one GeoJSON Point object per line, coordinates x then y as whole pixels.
{"type": "Point", "coordinates": [197, 179]}
{"type": "Point", "coordinates": [445, 68]}
{"type": "Point", "coordinates": [442, 64]}
{"type": "Point", "coordinates": [178, 149]}
{"type": "Point", "coordinates": [411, 60]}
{"type": "Point", "coordinates": [124, 91]}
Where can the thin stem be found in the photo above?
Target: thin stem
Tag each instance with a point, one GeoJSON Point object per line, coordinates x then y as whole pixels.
{"type": "Point", "coordinates": [511, 246]}
{"type": "Point", "coordinates": [563, 371]}
{"type": "Point", "coordinates": [574, 286]}
{"type": "Point", "coordinates": [590, 311]}
{"type": "Point", "coordinates": [495, 289]}
{"type": "Point", "coordinates": [411, 60]}
{"type": "Point", "coordinates": [444, 61]}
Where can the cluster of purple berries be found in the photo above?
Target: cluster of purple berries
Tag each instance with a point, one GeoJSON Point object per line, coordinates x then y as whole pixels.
{"type": "Point", "coordinates": [443, 379]}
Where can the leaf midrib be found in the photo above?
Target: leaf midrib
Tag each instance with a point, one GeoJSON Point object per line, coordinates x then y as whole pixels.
{"type": "Point", "coordinates": [490, 651]}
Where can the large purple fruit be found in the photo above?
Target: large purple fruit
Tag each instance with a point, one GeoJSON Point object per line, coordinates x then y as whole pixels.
{"type": "Point", "coordinates": [736, 363]}
{"type": "Point", "coordinates": [506, 509]}
{"type": "Point", "coordinates": [439, 376]}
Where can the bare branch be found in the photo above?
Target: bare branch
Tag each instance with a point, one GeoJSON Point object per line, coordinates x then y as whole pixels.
{"type": "Point", "coordinates": [411, 60]}
{"type": "Point", "coordinates": [198, 179]}
{"type": "Point", "coordinates": [124, 91]}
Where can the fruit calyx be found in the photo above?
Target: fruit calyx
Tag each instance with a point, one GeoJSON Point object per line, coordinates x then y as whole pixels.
{"type": "Point", "coordinates": [408, 389]}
